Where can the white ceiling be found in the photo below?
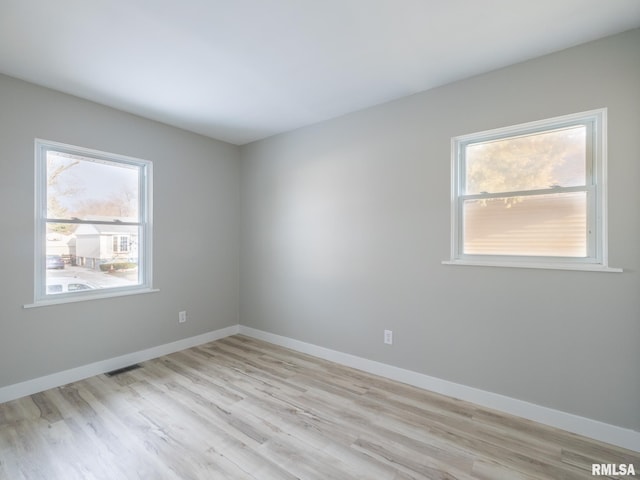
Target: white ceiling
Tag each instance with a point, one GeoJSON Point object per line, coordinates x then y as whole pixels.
{"type": "Point", "coordinates": [241, 70]}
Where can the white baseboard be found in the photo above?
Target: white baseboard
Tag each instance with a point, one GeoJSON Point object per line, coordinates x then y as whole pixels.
{"type": "Point", "coordinates": [40, 384]}
{"type": "Point", "coordinates": [587, 427]}
{"type": "Point", "coordinates": [604, 432]}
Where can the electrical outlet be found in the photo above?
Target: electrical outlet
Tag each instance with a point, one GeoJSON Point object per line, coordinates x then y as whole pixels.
{"type": "Point", "coordinates": [182, 316]}
{"type": "Point", "coordinates": [388, 337]}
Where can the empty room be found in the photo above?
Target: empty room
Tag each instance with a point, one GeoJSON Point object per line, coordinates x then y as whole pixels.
{"type": "Point", "coordinates": [339, 239]}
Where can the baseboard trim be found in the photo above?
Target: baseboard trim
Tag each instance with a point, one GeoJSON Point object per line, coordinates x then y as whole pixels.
{"type": "Point", "coordinates": [54, 380]}
{"type": "Point", "coordinates": [604, 432]}
{"type": "Point", "coordinates": [587, 427]}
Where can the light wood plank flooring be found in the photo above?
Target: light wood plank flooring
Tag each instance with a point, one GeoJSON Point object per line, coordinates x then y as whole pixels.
{"type": "Point", "coordinates": [239, 408]}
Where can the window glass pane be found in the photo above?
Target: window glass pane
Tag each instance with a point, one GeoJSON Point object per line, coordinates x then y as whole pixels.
{"type": "Point", "coordinates": [529, 162]}
{"type": "Point", "coordinates": [91, 189]}
{"type": "Point", "coordinates": [83, 257]}
{"type": "Point", "coordinates": [541, 225]}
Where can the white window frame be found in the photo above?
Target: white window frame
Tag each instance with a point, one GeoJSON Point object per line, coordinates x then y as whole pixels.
{"type": "Point", "coordinates": [145, 253]}
{"type": "Point", "coordinates": [596, 184]}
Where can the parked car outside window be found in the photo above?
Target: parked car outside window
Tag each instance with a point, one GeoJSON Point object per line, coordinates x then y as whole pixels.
{"type": "Point", "coordinates": [55, 262]}
{"type": "Point", "coordinates": [66, 285]}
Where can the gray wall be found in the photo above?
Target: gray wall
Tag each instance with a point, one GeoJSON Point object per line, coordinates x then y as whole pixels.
{"type": "Point", "coordinates": [344, 226]}
{"type": "Point", "coordinates": [196, 227]}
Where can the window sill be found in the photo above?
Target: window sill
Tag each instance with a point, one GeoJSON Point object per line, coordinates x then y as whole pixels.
{"type": "Point", "coordinates": [584, 267]}
{"type": "Point", "coordinates": [84, 298]}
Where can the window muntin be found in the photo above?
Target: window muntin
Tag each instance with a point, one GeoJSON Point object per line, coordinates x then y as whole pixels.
{"type": "Point", "coordinates": [94, 211]}
{"type": "Point", "coordinates": [531, 194]}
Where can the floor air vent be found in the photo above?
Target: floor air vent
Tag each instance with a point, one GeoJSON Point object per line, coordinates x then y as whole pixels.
{"type": "Point", "coordinates": [122, 370]}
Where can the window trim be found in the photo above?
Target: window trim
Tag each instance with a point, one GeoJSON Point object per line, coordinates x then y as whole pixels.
{"type": "Point", "coordinates": [597, 247]}
{"type": "Point", "coordinates": [145, 224]}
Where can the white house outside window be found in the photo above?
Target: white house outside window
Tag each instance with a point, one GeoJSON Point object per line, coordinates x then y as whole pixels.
{"type": "Point", "coordinates": [532, 195]}
{"type": "Point", "coordinates": [93, 223]}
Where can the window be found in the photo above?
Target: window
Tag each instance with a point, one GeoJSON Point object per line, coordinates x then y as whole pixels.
{"type": "Point", "coordinates": [120, 243]}
{"type": "Point", "coordinates": [532, 195]}
{"type": "Point", "coordinates": [93, 224]}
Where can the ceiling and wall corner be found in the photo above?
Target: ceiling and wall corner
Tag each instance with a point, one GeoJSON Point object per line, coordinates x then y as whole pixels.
{"type": "Point", "coordinates": [248, 69]}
